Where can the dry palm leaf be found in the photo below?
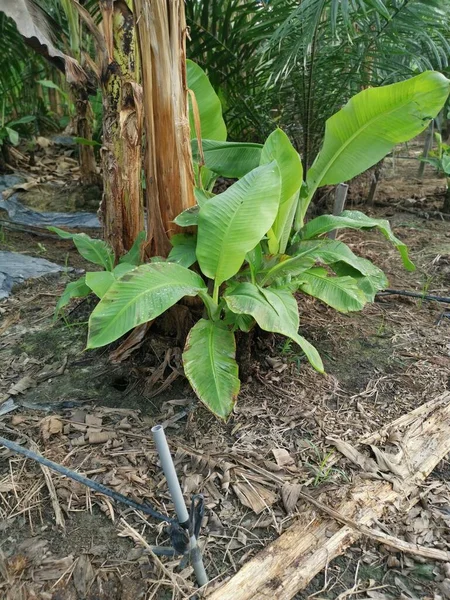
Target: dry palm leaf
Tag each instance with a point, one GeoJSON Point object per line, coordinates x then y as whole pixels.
{"type": "Point", "coordinates": [34, 24]}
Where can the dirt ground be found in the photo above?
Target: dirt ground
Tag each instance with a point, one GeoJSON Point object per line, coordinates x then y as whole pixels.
{"type": "Point", "coordinates": [95, 417]}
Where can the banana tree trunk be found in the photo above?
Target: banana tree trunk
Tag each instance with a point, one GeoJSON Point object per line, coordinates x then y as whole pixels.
{"type": "Point", "coordinates": [83, 129]}
{"type": "Point", "coordinates": [52, 98]}
{"type": "Point", "coordinates": [122, 130]}
{"type": "Point", "coordinates": [161, 29]}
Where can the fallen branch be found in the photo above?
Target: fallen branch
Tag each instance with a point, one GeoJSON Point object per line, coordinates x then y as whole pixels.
{"type": "Point", "coordinates": [290, 562]}
{"type": "Point", "coordinates": [423, 411]}
{"type": "Point", "coordinates": [379, 536]}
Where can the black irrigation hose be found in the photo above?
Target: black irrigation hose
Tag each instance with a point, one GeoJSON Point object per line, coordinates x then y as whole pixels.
{"type": "Point", "coordinates": [98, 487]}
{"type": "Point", "coordinates": [389, 292]}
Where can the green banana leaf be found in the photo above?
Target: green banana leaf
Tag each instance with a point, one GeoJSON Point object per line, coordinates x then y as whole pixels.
{"type": "Point", "coordinates": [100, 282]}
{"type": "Point", "coordinates": [274, 310]}
{"type": "Point", "coordinates": [209, 105]}
{"type": "Point", "coordinates": [95, 251]}
{"type": "Point", "coordinates": [188, 217]}
{"type": "Point", "coordinates": [202, 196]}
{"type": "Point", "coordinates": [279, 148]}
{"type": "Point", "coordinates": [446, 164]}
{"type": "Point", "coordinates": [355, 219]}
{"type": "Point", "coordinates": [134, 254]}
{"type": "Point", "coordinates": [183, 251]}
{"type": "Point", "coordinates": [210, 366]}
{"type": "Point", "coordinates": [140, 296]}
{"type": "Point", "coordinates": [228, 159]}
{"type": "Point", "coordinates": [330, 252]}
{"type": "Point", "coordinates": [232, 223]}
{"type": "Point", "coordinates": [369, 284]}
{"type": "Point", "coordinates": [122, 268]}
{"type": "Point", "coordinates": [284, 265]}
{"type": "Point", "coordinates": [370, 125]}
{"type": "Point", "coordinates": [74, 289]}
{"type": "Point", "coordinates": [341, 293]}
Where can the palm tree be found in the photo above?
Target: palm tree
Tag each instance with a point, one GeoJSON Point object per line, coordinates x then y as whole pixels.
{"type": "Point", "coordinates": [325, 51]}
{"type": "Point", "coordinates": [226, 38]}
{"type": "Point", "coordinates": [293, 64]}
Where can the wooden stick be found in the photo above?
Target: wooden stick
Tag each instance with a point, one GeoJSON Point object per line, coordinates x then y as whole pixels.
{"type": "Point", "coordinates": [375, 180]}
{"type": "Point", "coordinates": [59, 517]}
{"type": "Point", "coordinates": [290, 562]}
{"type": "Point", "coordinates": [426, 148]}
{"type": "Point", "coordinates": [173, 577]}
{"type": "Point", "coordinates": [340, 197]}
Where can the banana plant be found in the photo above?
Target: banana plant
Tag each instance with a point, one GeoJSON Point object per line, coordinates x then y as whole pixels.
{"type": "Point", "coordinates": [250, 247]}
{"type": "Point", "coordinates": [231, 234]}
{"type": "Point", "coordinates": [101, 254]}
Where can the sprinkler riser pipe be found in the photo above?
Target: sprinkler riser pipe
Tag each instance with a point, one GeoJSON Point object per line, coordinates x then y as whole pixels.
{"type": "Point", "coordinates": [170, 474]}
{"type": "Point", "coordinates": [178, 500]}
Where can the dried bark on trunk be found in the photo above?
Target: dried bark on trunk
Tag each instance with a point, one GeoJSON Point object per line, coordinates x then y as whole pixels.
{"type": "Point", "coordinates": [287, 565]}
{"type": "Point", "coordinates": [122, 130]}
{"type": "Point", "coordinates": [161, 30]}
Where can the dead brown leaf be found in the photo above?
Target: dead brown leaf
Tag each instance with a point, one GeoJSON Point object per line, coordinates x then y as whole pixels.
{"type": "Point", "coordinates": [255, 496]}
{"type": "Point", "coordinates": [10, 320]}
{"type": "Point", "coordinates": [93, 421]}
{"type": "Point", "coordinates": [391, 462]}
{"type": "Point", "coordinates": [6, 487]}
{"type": "Point", "coordinates": [52, 569]}
{"type": "Point", "coordinates": [192, 483]}
{"type": "Point", "coordinates": [290, 493]}
{"type": "Point", "coordinates": [50, 426]}
{"type": "Point", "coordinates": [18, 420]}
{"type": "Point", "coordinates": [17, 564]}
{"type": "Point", "coordinates": [356, 457]}
{"type": "Point", "coordinates": [43, 142]}
{"type": "Point", "coordinates": [100, 437]}
{"type": "Point", "coordinates": [23, 187]}
{"type": "Point", "coordinates": [52, 370]}
{"type": "Point", "coordinates": [83, 575]}
{"type": "Point", "coordinates": [130, 344]}
{"type": "Point", "coordinates": [444, 587]}
{"type": "Point", "coordinates": [277, 364]}
{"type": "Point", "coordinates": [23, 384]}
{"type": "Point", "coordinates": [283, 458]}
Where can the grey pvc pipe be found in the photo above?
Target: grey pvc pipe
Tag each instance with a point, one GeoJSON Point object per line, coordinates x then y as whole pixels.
{"type": "Point", "coordinates": [177, 497]}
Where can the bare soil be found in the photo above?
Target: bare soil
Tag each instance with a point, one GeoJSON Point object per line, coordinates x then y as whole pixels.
{"type": "Point", "coordinates": [95, 417]}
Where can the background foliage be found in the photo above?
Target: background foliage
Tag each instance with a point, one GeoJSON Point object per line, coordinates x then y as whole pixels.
{"type": "Point", "coordinates": [278, 62]}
